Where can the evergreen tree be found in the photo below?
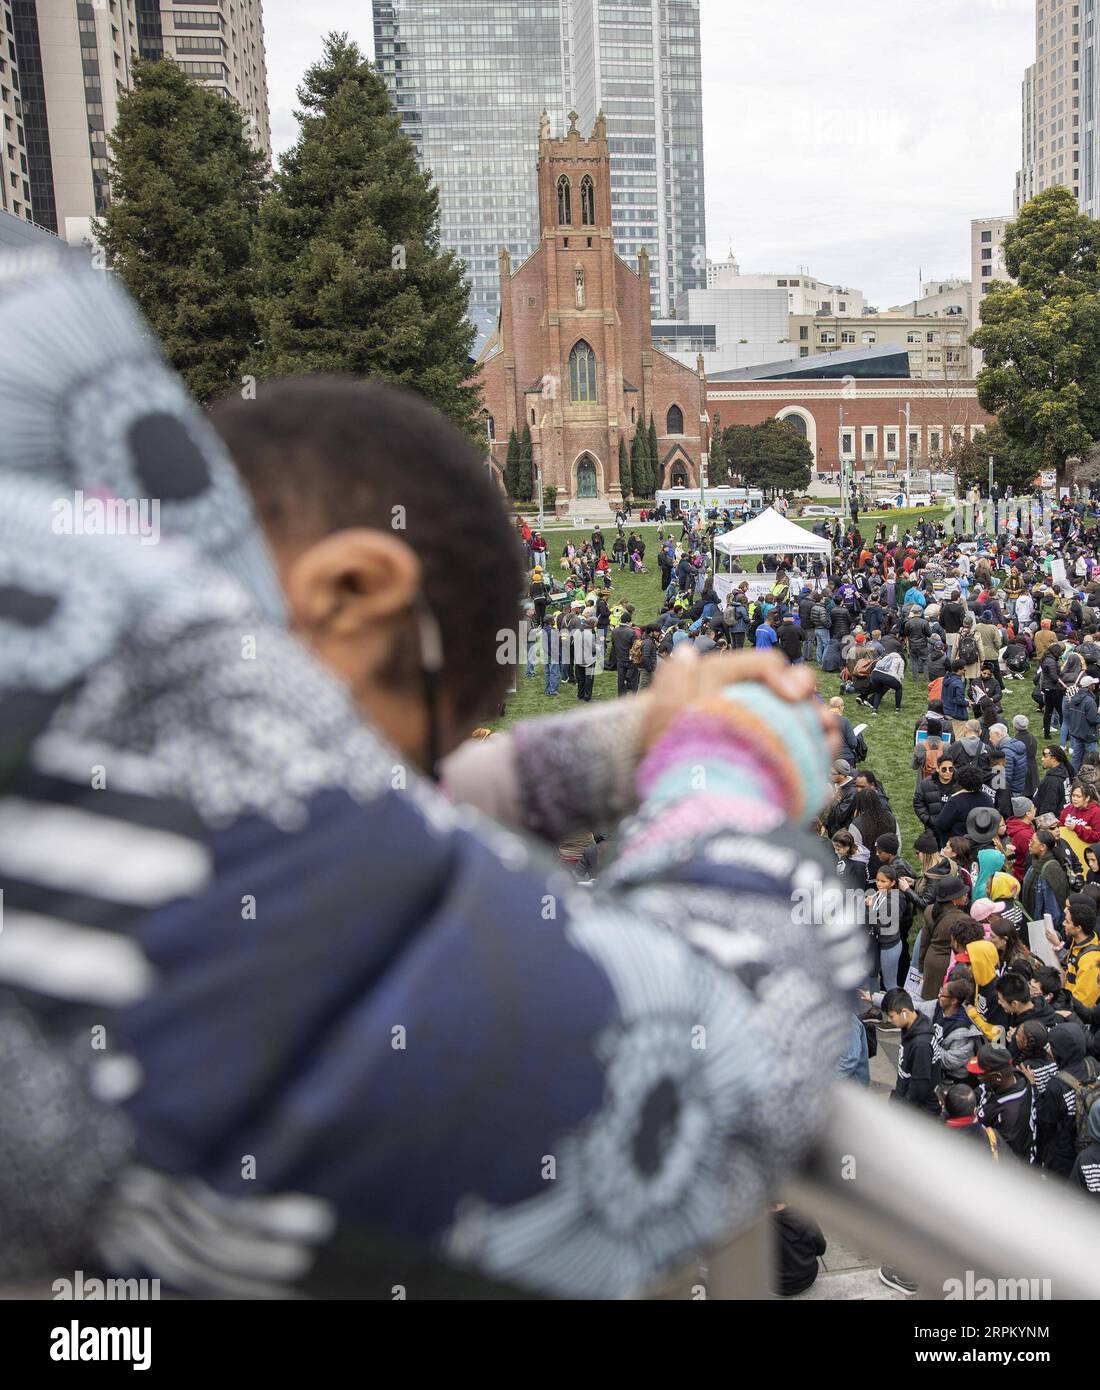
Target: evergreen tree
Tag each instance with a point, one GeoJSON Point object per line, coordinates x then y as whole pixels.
{"type": "Point", "coordinates": [639, 467]}
{"type": "Point", "coordinates": [718, 471]}
{"type": "Point", "coordinates": [783, 459]}
{"type": "Point", "coordinates": [186, 187]}
{"type": "Point", "coordinates": [625, 479]}
{"type": "Point", "coordinates": [350, 271]}
{"type": "Point", "coordinates": [526, 466]}
{"type": "Point", "coordinates": [1041, 336]}
{"type": "Point", "coordinates": [654, 455]}
{"type": "Point", "coordinates": [512, 467]}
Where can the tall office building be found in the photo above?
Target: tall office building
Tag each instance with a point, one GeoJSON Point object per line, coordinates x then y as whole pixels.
{"type": "Point", "coordinates": [69, 62]}
{"type": "Point", "coordinates": [640, 63]}
{"type": "Point", "coordinates": [470, 80]}
{"type": "Point", "coordinates": [1052, 111]}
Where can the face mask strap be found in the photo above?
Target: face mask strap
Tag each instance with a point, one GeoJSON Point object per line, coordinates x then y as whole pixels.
{"type": "Point", "coordinates": [431, 667]}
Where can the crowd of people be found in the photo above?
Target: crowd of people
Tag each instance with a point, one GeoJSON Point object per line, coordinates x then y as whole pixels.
{"type": "Point", "coordinates": [999, 1033]}
{"type": "Point", "coordinates": [296, 999]}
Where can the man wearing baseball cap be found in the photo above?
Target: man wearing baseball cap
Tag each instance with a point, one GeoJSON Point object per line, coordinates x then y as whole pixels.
{"type": "Point", "coordinates": [1006, 1101]}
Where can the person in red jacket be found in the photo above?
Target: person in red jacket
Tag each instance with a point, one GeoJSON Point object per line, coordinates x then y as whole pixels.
{"type": "Point", "coordinates": [1020, 827]}
{"type": "Point", "coordinates": [1082, 815]}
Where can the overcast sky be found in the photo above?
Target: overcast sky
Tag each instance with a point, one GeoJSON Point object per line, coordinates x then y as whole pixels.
{"type": "Point", "coordinates": [855, 137]}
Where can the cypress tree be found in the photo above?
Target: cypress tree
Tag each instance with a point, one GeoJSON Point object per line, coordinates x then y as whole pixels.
{"type": "Point", "coordinates": [639, 470]}
{"type": "Point", "coordinates": [625, 480]}
{"type": "Point", "coordinates": [512, 467]}
{"type": "Point", "coordinates": [186, 186]}
{"type": "Point", "coordinates": [350, 271]}
{"type": "Point", "coordinates": [526, 467]}
{"type": "Point", "coordinates": [654, 453]}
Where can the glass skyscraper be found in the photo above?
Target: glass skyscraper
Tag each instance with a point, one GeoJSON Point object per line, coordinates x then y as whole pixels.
{"type": "Point", "coordinates": [470, 78]}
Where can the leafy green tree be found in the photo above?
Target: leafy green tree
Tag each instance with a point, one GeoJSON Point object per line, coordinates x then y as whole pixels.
{"type": "Point", "coordinates": [186, 187]}
{"type": "Point", "coordinates": [783, 459]}
{"type": "Point", "coordinates": [1041, 337]}
{"type": "Point", "coordinates": [1012, 465]}
{"type": "Point", "coordinates": [625, 479]}
{"type": "Point", "coordinates": [512, 467]}
{"type": "Point", "coordinates": [718, 470]}
{"type": "Point", "coordinates": [350, 271]}
{"type": "Point", "coordinates": [526, 466]}
{"type": "Point", "coordinates": [740, 447]}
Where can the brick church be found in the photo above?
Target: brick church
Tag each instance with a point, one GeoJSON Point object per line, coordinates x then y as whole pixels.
{"type": "Point", "coordinates": [572, 353]}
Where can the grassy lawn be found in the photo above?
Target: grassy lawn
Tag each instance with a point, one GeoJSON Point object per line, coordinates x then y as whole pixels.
{"type": "Point", "coordinates": [889, 735]}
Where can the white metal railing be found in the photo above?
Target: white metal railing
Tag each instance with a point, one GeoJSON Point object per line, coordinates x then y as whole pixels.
{"type": "Point", "coordinates": [934, 1205]}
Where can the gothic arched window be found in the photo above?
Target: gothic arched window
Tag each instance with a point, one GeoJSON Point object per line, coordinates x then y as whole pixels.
{"type": "Point", "coordinates": [675, 421]}
{"type": "Point", "coordinates": [565, 209]}
{"type": "Point", "coordinates": [582, 373]}
{"type": "Point", "coordinates": [588, 202]}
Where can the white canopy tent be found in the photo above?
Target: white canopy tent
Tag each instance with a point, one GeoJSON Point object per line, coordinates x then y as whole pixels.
{"type": "Point", "coordinates": [770, 533]}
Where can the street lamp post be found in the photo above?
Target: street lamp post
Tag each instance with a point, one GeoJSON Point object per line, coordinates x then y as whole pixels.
{"type": "Point", "coordinates": [908, 457]}
{"type": "Point", "coordinates": [538, 484]}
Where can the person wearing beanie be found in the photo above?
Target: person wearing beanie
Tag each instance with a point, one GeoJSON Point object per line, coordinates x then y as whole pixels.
{"type": "Point", "coordinates": [1019, 829]}
{"type": "Point", "coordinates": [1085, 1173]}
{"type": "Point", "coordinates": [1045, 638]}
{"type": "Point", "coordinates": [1021, 730]}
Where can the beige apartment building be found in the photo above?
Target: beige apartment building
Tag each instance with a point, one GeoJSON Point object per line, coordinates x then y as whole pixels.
{"type": "Point", "coordinates": [987, 266]}
{"type": "Point", "coordinates": [15, 186]}
{"type": "Point", "coordinates": [75, 58]}
{"type": "Point", "coordinates": [1051, 103]}
{"type": "Point", "coordinates": [936, 344]}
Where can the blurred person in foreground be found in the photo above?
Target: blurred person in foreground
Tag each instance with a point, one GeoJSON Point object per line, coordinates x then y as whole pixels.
{"type": "Point", "coordinates": [353, 1034]}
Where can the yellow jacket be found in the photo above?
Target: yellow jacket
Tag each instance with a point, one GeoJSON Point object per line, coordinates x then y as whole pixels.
{"type": "Point", "coordinates": [1083, 972]}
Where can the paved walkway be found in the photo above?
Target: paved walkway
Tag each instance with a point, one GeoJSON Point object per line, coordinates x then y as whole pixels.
{"type": "Point", "coordinates": [847, 1273]}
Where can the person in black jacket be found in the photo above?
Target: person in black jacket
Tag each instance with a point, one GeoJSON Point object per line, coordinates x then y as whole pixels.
{"type": "Point", "coordinates": [1053, 791]}
{"type": "Point", "coordinates": [971, 794]}
{"type": "Point", "coordinates": [1022, 731]}
{"type": "Point", "coordinates": [798, 1243]}
{"type": "Point", "coordinates": [789, 640]}
{"type": "Point", "coordinates": [1006, 1101]}
{"type": "Point", "coordinates": [914, 1084]}
{"type": "Point", "coordinates": [840, 622]}
{"type": "Point", "coordinates": [1057, 1111]}
{"type": "Point", "coordinates": [932, 792]}
{"type": "Point", "coordinates": [622, 639]}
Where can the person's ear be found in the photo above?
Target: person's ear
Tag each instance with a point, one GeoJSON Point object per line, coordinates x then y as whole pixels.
{"type": "Point", "coordinates": [350, 582]}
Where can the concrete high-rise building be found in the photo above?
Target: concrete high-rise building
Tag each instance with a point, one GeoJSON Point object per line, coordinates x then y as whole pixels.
{"type": "Point", "coordinates": [15, 185]}
{"type": "Point", "coordinates": [220, 45]}
{"type": "Point", "coordinates": [987, 266]}
{"type": "Point", "coordinates": [471, 80]}
{"type": "Point", "coordinates": [73, 59]}
{"type": "Point", "coordinates": [1089, 197]}
{"type": "Point", "coordinates": [1052, 112]}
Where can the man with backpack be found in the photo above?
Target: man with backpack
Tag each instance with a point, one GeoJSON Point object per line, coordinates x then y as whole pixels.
{"type": "Point", "coordinates": [820, 626]}
{"type": "Point", "coordinates": [1082, 958]}
{"type": "Point", "coordinates": [1006, 1101]}
{"type": "Point", "coordinates": [1065, 1105]}
{"type": "Point", "coordinates": [918, 631]}
{"type": "Point", "coordinates": [952, 617]}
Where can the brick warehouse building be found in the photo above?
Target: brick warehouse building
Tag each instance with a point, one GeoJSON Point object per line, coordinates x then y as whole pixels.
{"type": "Point", "coordinates": [863, 418]}
{"type": "Point", "coordinates": [572, 353]}
{"type": "Point", "coordinates": [572, 357]}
